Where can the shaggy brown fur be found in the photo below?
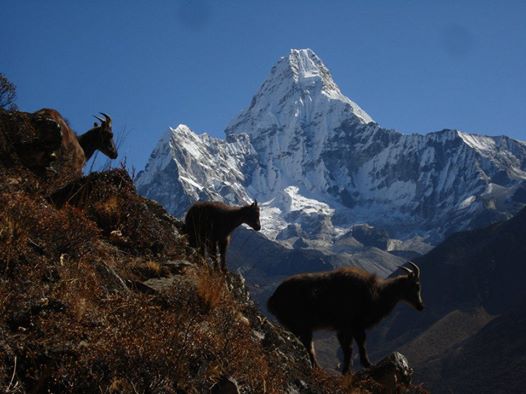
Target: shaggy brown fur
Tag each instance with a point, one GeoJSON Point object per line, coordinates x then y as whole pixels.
{"type": "Point", "coordinates": [209, 225]}
{"type": "Point", "coordinates": [75, 150]}
{"type": "Point", "coordinates": [27, 141]}
{"type": "Point", "coordinates": [348, 301]}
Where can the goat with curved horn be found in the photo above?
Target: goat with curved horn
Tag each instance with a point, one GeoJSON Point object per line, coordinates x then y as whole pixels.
{"type": "Point", "coordinates": [347, 300]}
{"type": "Point", "coordinates": [107, 118]}
{"type": "Point", "coordinates": [75, 150]}
{"type": "Point", "coordinates": [415, 267]}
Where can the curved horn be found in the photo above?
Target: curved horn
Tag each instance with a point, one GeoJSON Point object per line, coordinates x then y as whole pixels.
{"type": "Point", "coordinates": [107, 117]}
{"type": "Point", "coordinates": [416, 268]}
{"type": "Point", "coordinates": [407, 269]}
{"type": "Point", "coordinates": [99, 118]}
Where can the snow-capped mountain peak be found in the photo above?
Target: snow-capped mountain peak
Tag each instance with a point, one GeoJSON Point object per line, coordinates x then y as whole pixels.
{"type": "Point", "coordinates": [299, 86]}
{"type": "Point", "coordinates": [318, 165]}
{"type": "Point", "coordinates": [308, 69]}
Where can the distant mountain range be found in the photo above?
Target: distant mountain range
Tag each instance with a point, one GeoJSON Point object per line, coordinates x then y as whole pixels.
{"type": "Point", "coordinates": [329, 178]}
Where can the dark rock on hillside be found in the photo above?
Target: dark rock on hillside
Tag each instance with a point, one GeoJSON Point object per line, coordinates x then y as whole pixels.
{"type": "Point", "coordinates": [225, 385]}
{"type": "Point", "coordinates": [392, 373]}
{"type": "Point", "coordinates": [111, 201]}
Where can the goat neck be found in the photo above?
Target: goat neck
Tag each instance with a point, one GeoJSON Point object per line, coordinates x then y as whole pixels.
{"type": "Point", "coordinates": [89, 142]}
{"type": "Point", "coordinates": [234, 219]}
{"type": "Point", "coordinates": [388, 294]}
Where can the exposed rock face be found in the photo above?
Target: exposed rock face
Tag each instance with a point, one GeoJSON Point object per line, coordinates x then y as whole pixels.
{"type": "Point", "coordinates": [318, 162]}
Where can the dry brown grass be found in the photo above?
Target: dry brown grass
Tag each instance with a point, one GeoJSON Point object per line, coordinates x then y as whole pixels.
{"type": "Point", "coordinates": [154, 268]}
{"type": "Point", "coordinates": [73, 328]}
{"type": "Point", "coordinates": [211, 288]}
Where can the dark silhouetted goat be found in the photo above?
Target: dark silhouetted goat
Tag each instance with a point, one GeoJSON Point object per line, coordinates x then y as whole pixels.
{"type": "Point", "coordinates": [347, 300]}
{"type": "Point", "coordinates": [75, 150]}
{"type": "Point", "coordinates": [209, 224]}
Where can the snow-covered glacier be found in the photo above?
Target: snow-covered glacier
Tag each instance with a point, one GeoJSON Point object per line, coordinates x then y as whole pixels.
{"type": "Point", "coordinates": [322, 169]}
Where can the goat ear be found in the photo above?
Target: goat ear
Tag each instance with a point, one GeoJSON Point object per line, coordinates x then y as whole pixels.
{"type": "Point", "coordinates": [95, 124]}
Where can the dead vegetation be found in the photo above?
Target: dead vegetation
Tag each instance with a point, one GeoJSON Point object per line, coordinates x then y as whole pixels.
{"type": "Point", "coordinates": [100, 293]}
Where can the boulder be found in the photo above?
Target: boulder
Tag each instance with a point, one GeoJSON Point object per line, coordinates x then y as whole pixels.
{"type": "Point", "coordinates": [391, 372]}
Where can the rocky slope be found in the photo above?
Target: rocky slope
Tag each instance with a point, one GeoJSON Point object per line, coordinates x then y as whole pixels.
{"type": "Point", "coordinates": [100, 293]}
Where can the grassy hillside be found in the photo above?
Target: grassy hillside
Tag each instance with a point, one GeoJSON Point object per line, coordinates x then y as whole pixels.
{"type": "Point", "coordinates": [99, 292]}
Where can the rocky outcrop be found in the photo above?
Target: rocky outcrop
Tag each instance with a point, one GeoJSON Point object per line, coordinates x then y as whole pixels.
{"type": "Point", "coordinates": [393, 373]}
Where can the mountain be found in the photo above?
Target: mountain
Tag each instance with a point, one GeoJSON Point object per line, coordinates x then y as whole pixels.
{"type": "Point", "coordinates": [471, 336]}
{"type": "Point", "coordinates": [185, 167]}
{"type": "Point", "coordinates": [491, 361]}
{"type": "Point", "coordinates": [320, 166]}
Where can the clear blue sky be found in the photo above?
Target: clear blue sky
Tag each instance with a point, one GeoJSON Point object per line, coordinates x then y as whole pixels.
{"type": "Point", "coordinates": [414, 66]}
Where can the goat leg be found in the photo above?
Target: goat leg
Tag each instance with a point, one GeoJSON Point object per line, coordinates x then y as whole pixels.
{"type": "Point", "coordinates": [306, 339]}
{"type": "Point", "coordinates": [212, 251]}
{"type": "Point", "coordinates": [359, 336]}
{"type": "Point", "coordinates": [222, 253]}
{"type": "Point", "coordinates": [345, 340]}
